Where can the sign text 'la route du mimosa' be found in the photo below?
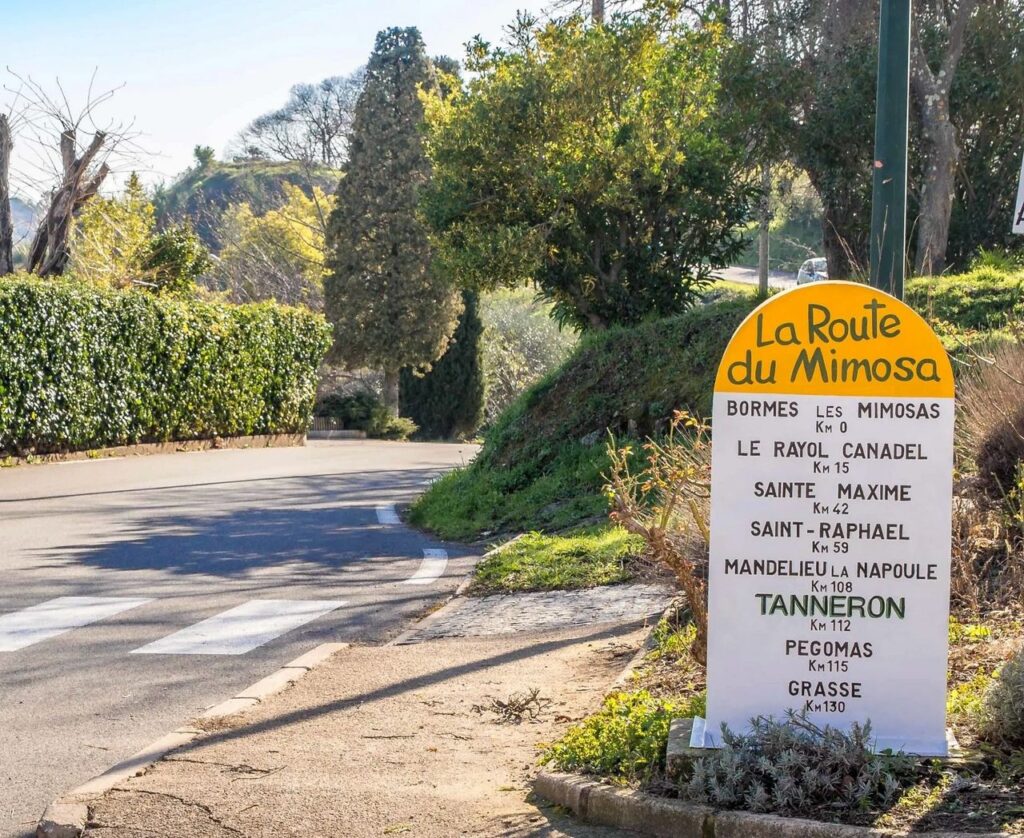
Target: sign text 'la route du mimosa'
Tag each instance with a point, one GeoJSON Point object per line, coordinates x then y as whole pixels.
{"type": "Point", "coordinates": [830, 519]}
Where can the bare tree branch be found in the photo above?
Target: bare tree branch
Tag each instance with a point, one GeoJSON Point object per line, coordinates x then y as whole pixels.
{"type": "Point", "coordinates": [311, 128]}
{"type": "Point", "coordinates": [70, 149]}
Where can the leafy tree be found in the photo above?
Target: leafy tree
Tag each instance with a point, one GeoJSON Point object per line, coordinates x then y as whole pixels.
{"type": "Point", "coordinates": [116, 245]}
{"type": "Point", "coordinates": [204, 155]}
{"type": "Point", "coordinates": [447, 401]}
{"type": "Point", "coordinates": [966, 123]}
{"type": "Point", "coordinates": [985, 104]}
{"type": "Point", "coordinates": [111, 238]}
{"type": "Point", "coordinates": [389, 307]}
{"type": "Point", "coordinates": [835, 143]}
{"type": "Point", "coordinates": [947, 21]}
{"type": "Point", "coordinates": [799, 82]}
{"type": "Point", "coordinates": [591, 160]}
{"type": "Point", "coordinates": [277, 255]}
{"type": "Point", "coordinates": [175, 259]}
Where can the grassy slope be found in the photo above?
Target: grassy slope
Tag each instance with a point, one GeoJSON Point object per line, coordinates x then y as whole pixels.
{"type": "Point", "coordinates": [541, 466]}
{"type": "Point", "coordinates": [590, 556]}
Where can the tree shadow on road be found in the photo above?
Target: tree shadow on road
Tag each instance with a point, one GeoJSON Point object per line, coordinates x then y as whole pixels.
{"type": "Point", "coordinates": [299, 527]}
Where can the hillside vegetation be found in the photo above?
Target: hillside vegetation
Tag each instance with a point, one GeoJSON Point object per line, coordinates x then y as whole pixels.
{"type": "Point", "coordinates": [983, 299]}
{"type": "Point", "coordinates": [542, 463]}
{"type": "Point", "coordinates": [201, 193]}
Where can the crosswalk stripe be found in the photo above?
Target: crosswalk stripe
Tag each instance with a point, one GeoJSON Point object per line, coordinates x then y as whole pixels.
{"type": "Point", "coordinates": [57, 616]}
{"type": "Point", "coordinates": [387, 514]}
{"type": "Point", "coordinates": [241, 629]}
{"type": "Point", "coordinates": [433, 565]}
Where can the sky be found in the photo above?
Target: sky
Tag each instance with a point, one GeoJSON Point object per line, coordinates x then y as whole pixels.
{"type": "Point", "coordinates": [196, 72]}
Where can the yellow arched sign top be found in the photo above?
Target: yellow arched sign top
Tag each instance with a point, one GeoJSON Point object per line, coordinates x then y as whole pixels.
{"type": "Point", "coordinates": [839, 339]}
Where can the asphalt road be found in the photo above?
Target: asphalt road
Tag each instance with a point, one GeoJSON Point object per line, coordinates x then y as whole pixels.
{"type": "Point", "coordinates": [147, 547]}
{"type": "Point", "coordinates": [776, 279]}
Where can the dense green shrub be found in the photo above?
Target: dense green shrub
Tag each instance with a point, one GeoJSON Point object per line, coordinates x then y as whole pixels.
{"type": "Point", "coordinates": [84, 368]}
{"type": "Point", "coordinates": [795, 768]}
{"type": "Point", "coordinates": [363, 410]}
{"type": "Point", "coordinates": [985, 298]}
{"type": "Point", "coordinates": [522, 344]}
{"type": "Point", "coordinates": [392, 427]}
{"type": "Point", "coordinates": [355, 411]}
{"type": "Point", "coordinates": [447, 402]}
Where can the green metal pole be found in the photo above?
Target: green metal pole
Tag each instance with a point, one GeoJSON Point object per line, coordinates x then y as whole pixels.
{"type": "Point", "coordinates": [889, 190]}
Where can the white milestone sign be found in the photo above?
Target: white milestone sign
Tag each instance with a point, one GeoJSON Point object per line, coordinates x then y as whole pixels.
{"type": "Point", "coordinates": [1018, 213]}
{"type": "Point", "coordinates": [830, 519]}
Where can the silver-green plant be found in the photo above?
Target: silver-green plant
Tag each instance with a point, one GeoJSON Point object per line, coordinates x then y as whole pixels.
{"type": "Point", "coordinates": [1003, 712]}
{"type": "Point", "coordinates": [794, 767]}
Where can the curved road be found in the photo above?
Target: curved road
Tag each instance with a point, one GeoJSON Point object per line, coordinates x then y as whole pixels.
{"type": "Point", "coordinates": [138, 592]}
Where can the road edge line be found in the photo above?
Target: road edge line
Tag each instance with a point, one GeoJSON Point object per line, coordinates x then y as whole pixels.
{"type": "Point", "coordinates": [453, 604]}
{"type": "Point", "coordinates": [68, 815]}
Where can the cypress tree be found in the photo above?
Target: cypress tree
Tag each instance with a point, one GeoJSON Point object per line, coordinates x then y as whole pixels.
{"type": "Point", "coordinates": [388, 309]}
{"type": "Point", "coordinates": [448, 401]}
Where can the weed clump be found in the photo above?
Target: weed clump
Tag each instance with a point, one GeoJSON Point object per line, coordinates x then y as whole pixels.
{"type": "Point", "coordinates": [991, 399]}
{"type": "Point", "coordinates": [624, 740]}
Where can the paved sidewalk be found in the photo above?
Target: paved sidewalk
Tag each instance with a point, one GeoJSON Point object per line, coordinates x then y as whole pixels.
{"type": "Point", "coordinates": [505, 613]}
{"type": "Point", "coordinates": [377, 741]}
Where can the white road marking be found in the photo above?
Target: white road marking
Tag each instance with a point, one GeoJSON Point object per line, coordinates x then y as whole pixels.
{"type": "Point", "coordinates": [386, 514]}
{"type": "Point", "coordinates": [433, 565]}
{"type": "Point", "coordinates": [241, 629]}
{"type": "Point", "coordinates": [57, 616]}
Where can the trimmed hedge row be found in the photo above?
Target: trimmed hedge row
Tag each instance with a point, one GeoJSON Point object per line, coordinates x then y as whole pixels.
{"type": "Point", "coordinates": [985, 298]}
{"type": "Point", "coordinates": [84, 368]}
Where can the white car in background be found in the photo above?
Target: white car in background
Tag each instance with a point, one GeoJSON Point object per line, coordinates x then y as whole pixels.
{"type": "Point", "coordinates": [813, 270]}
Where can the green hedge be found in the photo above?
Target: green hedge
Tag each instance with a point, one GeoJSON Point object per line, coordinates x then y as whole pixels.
{"type": "Point", "coordinates": [82, 368]}
{"type": "Point", "coordinates": [984, 299]}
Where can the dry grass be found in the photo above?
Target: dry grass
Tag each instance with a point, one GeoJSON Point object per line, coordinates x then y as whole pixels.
{"type": "Point", "coordinates": [987, 571]}
{"type": "Point", "coordinates": [988, 514]}
{"type": "Point", "coordinates": [991, 402]}
{"type": "Point", "coordinates": [667, 503]}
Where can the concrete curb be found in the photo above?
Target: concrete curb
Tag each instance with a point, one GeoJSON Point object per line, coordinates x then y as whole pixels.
{"type": "Point", "coordinates": [148, 448]}
{"type": "Point", "coordinates": [67, 816]}
{"type": "Point", "coordinates": [336, 435]}
{"type": "Point", "coordinates": [645, 648]}
{"type": "Point", "coordinates": [603, 805]}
